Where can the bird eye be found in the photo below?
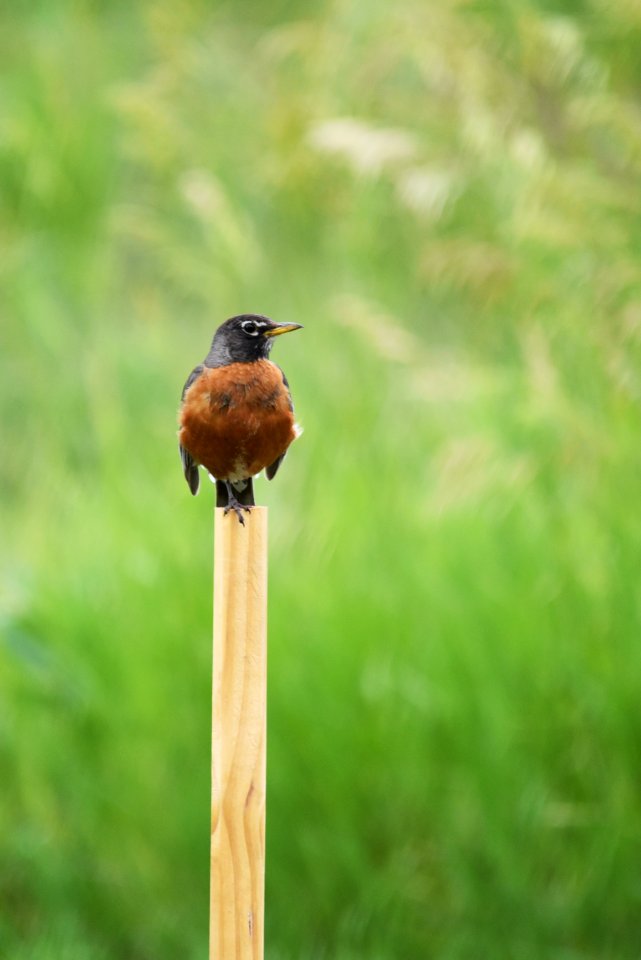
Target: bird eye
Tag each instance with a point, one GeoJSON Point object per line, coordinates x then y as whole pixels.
{"type": "Point", "coordinates": [249, 327]}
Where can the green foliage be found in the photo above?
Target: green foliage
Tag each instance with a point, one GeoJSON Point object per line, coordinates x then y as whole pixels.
{"type": "Point", "coordinates": [447, 196]}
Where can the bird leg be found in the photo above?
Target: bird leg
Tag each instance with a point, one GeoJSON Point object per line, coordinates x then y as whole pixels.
{"type": "Point", "coordinates": [234, 504]}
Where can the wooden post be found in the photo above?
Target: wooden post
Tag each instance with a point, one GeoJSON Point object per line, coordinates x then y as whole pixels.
{"type": "Point", "coordinates": [236, 929]}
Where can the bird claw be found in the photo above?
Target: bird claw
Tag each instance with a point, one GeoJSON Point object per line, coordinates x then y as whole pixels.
{"type": "Point", "coordinates": [238, 508]}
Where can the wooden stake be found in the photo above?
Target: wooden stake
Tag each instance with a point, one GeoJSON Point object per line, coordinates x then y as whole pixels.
{"type": "Point", "coordinates": [239, 737]}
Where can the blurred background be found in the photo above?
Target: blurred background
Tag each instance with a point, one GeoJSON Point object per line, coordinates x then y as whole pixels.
{"type": "Point", "coordinates": [447, 195]}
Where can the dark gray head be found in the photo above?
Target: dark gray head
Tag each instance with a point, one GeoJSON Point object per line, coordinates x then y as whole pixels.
{"type": "Point", "coordinates": [244, 339]}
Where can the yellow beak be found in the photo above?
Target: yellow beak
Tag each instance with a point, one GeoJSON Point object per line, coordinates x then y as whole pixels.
{"type": "Point", "coordinates": [279, 328]}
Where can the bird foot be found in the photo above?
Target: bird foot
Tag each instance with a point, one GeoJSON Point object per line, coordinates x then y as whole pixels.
{"type": "Point", "coordinates": [238, 508]}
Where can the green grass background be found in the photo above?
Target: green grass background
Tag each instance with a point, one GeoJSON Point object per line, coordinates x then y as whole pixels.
{"type": "Point", "coordinates": [448, 197]}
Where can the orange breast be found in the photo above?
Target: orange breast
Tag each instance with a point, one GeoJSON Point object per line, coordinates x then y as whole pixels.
{"type": "Point", "coordinates": [236, 420]}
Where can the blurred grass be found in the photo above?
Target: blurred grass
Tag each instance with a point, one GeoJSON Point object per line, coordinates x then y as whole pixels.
{"type": "Point", "coordinates": [447, 196]}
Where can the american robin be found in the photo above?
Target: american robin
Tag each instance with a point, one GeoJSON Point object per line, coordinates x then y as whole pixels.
{"type": "Point", "coordinates": [236, 413]}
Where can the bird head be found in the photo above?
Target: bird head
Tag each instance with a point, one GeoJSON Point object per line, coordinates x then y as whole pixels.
{"type": "Point", "coordinates": [245, 338]}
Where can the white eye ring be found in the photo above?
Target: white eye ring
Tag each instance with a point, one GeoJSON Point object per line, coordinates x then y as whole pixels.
{"type": "Point", "coordinates": [250, 328]}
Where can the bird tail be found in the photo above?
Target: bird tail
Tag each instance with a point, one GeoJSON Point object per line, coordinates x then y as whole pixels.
{"type": "Point", "coordinates": [243, 491]}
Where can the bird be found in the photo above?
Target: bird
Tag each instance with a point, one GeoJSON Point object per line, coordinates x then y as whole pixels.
{"type": "Point", "coordinates": [236, 413]}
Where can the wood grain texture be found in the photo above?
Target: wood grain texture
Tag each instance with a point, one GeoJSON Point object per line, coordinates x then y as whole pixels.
{"type": "Point", "coordinates": [239, 737]}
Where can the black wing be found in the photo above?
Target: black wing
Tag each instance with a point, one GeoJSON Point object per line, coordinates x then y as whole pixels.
{"type": "Point", "coordinates": [195, 373]}
{"type": "Point", "coordinates": [286, 382]}
{"type": "Point", "coordinates": [190, 467]}
{"type": "Point", "coordinates": [272, 469]}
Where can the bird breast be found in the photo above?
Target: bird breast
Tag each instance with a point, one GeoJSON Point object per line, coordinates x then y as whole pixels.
{"type": "Point", "coordinates": [237, 419]}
